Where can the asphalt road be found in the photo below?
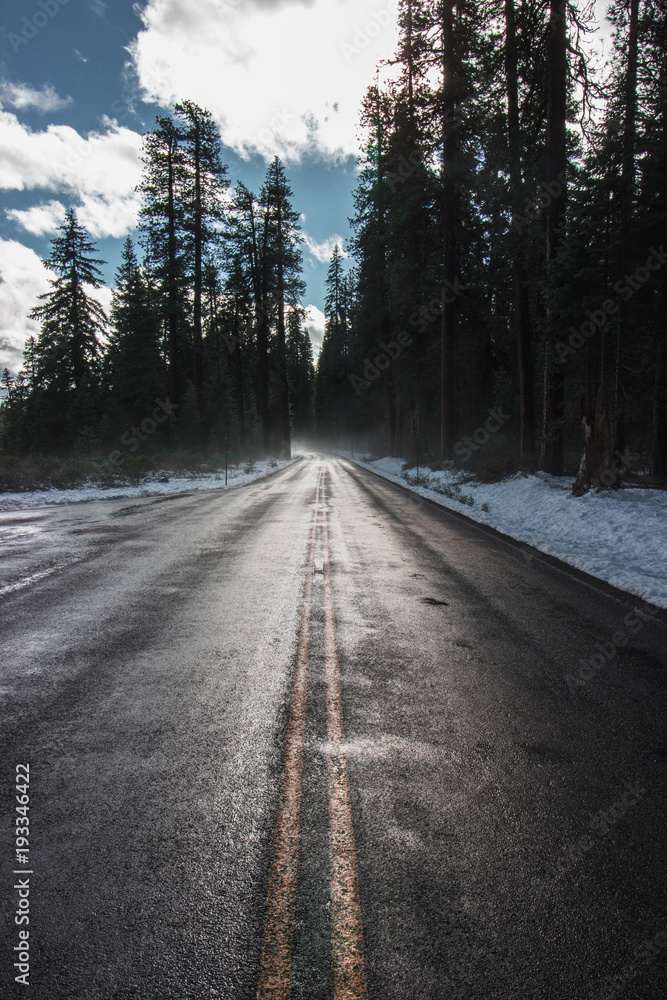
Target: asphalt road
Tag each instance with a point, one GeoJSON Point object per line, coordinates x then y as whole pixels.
{"type": "Point", "coordinates": [314, 738]}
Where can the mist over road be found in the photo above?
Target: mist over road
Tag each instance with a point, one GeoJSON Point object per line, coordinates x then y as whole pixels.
{"type": "Point", "coordinates": [321, 692]}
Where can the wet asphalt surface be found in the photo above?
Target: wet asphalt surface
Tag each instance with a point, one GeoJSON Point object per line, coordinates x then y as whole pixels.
{"type": "Point", "coordinates": [507, 773]}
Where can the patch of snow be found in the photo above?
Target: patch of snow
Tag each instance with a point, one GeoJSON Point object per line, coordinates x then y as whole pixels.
{"type": "Point", "coordinates": [619, 536]}
{"type": "Point", "coordinates": [150, 487]}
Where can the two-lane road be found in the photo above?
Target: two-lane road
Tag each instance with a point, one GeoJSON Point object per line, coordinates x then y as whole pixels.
{"type": "Point", "coordinates": [313, 738]}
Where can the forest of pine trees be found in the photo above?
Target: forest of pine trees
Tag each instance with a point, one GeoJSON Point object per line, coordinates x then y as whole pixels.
{"type": "Point", "coordinates": [509, 269]}
{"type": "Point", "coordinates": [205, 348]}
{"type": "Point", "coordinates": [509, 245]}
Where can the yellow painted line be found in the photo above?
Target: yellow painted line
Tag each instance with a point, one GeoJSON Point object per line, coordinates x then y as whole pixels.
{"type": "Point", "coordinates": [349, 970]}
{"type": "Point", "coordinates": [276, 963]}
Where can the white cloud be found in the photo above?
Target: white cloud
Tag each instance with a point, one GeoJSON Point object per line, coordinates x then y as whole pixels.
{"type": "Point", "coordinates": [40, 219]}
{"type": "Point", "coordinates": [99, 172]}
{"type": "Point", "coordinates": [281, 79]}
{"type": "Point", "coordinates": [105, 215]}
{"type": "Point", "coordinates": [22, 96]}
{"type": "Point", "coordinates": [23, 278]}
{"type": "Point", "coordinates": [315, 320]}
{"type": "Point", "coordinates": [323, 251]}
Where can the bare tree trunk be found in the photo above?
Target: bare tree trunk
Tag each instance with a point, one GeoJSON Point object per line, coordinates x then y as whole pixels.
{"type": "Point", "coordinates": [597, 469]}
{"type": "Point", "coordinates": [198, 239]}
{"type": "Point", "coordinates": [398, 431]}
{"type": "Point", "coordinates": [390, 412]}
{"type": "Point", "coordinates": [238, 366]}
{"type": "Point", "coordinates": [263, 346]}
{"type": "Point", "coordinates": [519, 274]}
{"type": "Point", "coordinates": [628, 172]}
{"type": "Point", "coordinates": [551, 452]}
{"type": "Point", "coordinates": [172, 285]}
{"type": "Point", "coordinates": [659, 435]}
{"type": "Point", "coordinates": [449, 275]}
{"type": "Point", "coordinates": [286, 449]}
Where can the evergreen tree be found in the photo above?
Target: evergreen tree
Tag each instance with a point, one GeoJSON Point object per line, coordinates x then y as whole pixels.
{"type": "Point", "coordinates": [300, 373]}
{"type": "Point", "coordinates": [334, 390]}
{"type": "Point", "coordinates": [282, 266]}
{"type": "Point", "coordinates": [135, 372]}
{"type": "Point", "coordinates": [205, 181]}
{"type": "Point", "coordinates": [249, 238]}
{"type": "Point", "coordinates": [652, 199]}
{"type": "Point", "coordinates": [67, 355]}
{"type": "Point", "coordinates": [164, 238]}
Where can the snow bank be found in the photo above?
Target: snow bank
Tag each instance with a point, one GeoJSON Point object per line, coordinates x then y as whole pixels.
{"type": "Point", "coordinates": [150, 487]}
{"type": "Point", "coordinates": [618, 536]}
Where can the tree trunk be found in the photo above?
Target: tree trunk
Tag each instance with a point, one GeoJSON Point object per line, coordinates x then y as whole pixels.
{"type": "Point", "coordinates": [597, 469]}
{"type": "Point", "coordinates": [172, 285]}
{"type": "Point", "coordinates": [390, 414]}
{"type": "Point", "coordinates": [285, 448]}
{"type": "Point", "coordinates": [449, 275]}
{"type": "Point", "coordinates": [659, 435]}
{"type": "Point", "coordinates": [551, 453]}
{"type": "Point", "coordinates": [398, 431]}
{"type": "Point", "coordinates": [626, 194]}
{"type": "Point", "coordinates": [197, 324]}
{"type": "Point", "coordinates": [238, 364]}
{"type": "Point", "coordinates": [263, 346]}
{"type": "Point", "coordinates": [519, 274]}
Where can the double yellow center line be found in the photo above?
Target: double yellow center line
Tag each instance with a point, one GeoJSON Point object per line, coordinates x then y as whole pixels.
{"type": "Point", "coordinates": [349, 974]}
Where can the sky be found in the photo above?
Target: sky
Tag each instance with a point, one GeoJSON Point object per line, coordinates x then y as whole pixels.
{"type": "Point", "coordinates": [82, 80]}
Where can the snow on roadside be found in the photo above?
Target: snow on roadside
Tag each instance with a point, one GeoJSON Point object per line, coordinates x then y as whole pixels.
{"type": "Point", "coordinates": [150, 487]}
{"type": "Point", "coordinates": [617, 536]}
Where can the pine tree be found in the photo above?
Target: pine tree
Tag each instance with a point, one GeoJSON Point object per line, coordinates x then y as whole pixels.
{"type": "Point", "coordinates": [68, 351]}
{"type": "Point", "coordinates": [283, 264]}
{"type": "Point", "coordinates": [652, 199]}
{"type": "Point", "coordinates": [14, 419]}
{"type": "Point", "coordinates": [334, 389]}
{"type": "Point", "coordinates": [249, 237]}
{"type": "Point", "coordinates": [135, 372]}
{"type": "Point", "coordinates": [205, 182]}
{"type": "Point", "coordinates": [164, 238]}
{"type": "Point", "coordinates": [238, 338]}
{"type": "Point", "coordinates": [519, 269]}
{"type": "Point", "coordinates": [300, 373]}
